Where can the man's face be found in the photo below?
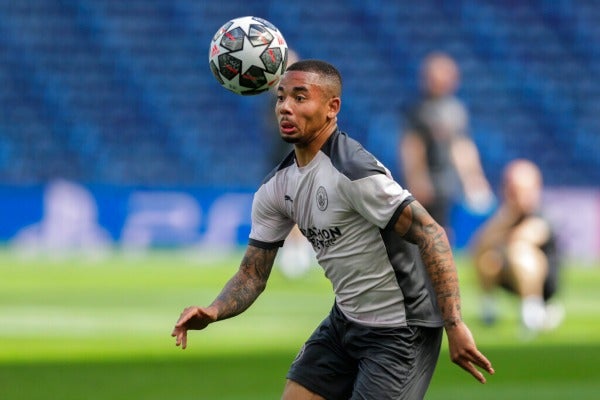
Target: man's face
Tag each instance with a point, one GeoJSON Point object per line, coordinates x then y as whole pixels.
{"type": "Point", "coordinates": [440, 77]}
{"type": "Point", "coordinates": [523, 190]}
{"type": "Point", "coordinates": [303, 106]}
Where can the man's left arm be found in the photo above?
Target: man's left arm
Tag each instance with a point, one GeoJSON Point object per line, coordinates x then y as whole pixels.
{"type": "Point", "coordinates": [418, 227]}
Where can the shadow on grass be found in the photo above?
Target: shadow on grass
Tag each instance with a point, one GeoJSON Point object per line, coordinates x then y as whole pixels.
{"type": "Point", "coordinates": [528, 373]}
{"type": "Point", "coordinates": [229, 377]}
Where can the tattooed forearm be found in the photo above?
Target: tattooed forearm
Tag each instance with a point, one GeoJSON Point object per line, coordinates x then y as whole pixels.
{"type": "Point", "coordinates": [247, 284]}
{"type": "Point", "coordinates": [421, 229]}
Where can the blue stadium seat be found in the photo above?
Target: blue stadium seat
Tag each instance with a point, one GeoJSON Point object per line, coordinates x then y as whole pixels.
{"type": "Point", "coordinates": [120, 92]}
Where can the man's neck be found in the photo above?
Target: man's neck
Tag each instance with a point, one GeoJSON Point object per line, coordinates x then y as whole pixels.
{"type": "Point", "coordinates": [306, 152]}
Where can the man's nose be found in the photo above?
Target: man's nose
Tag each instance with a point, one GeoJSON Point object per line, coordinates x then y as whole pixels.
{"type": "Point", "coordinates": [283, 106]}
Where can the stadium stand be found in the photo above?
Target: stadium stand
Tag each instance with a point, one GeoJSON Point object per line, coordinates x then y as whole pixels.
{"type": "Point", "coordinates": [119, 92]}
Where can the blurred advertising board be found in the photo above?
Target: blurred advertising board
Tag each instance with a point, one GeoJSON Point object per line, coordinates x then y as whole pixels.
{"type": "Point", "coordinates": [66, 215]}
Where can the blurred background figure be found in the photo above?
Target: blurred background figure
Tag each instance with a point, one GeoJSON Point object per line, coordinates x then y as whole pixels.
{"type": "Point", "coordinates": [296, 256]}
{"type": "Point", "coordinates": [439, 161]}
{"type": "Point", "coordinates": [516, 249]}
{"type": "Point", "coordinates": [69, 224]}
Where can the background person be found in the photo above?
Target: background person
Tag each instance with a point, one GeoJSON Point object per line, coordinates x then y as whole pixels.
{"type": "Point", "coordinates": [439, 161]}
{"type": "Point", "coordinates": [516, 249]}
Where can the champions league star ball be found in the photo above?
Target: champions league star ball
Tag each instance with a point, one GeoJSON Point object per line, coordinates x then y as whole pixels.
{"type": "Point", "coordinates": [248, 55]}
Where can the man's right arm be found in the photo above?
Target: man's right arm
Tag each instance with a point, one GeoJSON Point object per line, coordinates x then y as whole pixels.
{"type": "Point", "coordinates": [236, 296]}
{"type": "Point", "coordinates": [247, 284]}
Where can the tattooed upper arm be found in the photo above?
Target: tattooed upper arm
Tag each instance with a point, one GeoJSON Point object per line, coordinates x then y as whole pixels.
{"type": "Point", "coordinates": [415, 223]}
{"type": "Point", "coordinates": [418, 227]}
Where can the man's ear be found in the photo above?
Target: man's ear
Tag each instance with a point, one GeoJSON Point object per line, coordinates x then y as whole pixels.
{"type": "Point", "coordinates": [334, 105]}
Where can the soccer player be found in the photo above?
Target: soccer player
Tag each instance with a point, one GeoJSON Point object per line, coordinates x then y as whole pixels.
{"type": "Point", "coordinates": [389, 262]}
{"type": "Point", "coordinates": [516, 249]}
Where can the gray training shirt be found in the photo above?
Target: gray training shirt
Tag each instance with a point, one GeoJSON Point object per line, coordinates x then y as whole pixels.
{"type": "Point", "coordinates": [346, 202]}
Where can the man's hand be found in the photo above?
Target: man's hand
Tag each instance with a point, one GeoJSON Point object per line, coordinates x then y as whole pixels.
{"type": "Point", "coordinates": [464, 353]}
{"type": "Point", "coordinates": [194, 318]}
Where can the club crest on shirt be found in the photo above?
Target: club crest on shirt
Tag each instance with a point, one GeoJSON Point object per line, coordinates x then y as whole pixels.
{"type": "Point", "coordinates": [322, 200]}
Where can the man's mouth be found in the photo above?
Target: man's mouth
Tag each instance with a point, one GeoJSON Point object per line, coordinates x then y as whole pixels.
{"type": "Point", "coordinates": [286, 127]}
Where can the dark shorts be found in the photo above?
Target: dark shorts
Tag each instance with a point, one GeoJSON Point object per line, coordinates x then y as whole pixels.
{"type": "Point", "coordinates": [343, 360]}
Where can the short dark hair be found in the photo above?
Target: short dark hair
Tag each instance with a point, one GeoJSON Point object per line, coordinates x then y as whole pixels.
{"type": "Point", "coordinates": [320, 67]}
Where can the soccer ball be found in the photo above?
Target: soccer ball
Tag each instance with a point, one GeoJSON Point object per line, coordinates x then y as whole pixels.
{"type": "Point", "coordinates": [248, 55]}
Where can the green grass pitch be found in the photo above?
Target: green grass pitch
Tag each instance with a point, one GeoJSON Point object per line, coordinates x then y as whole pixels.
{"type": "Point", "coordinates": [78, 329]}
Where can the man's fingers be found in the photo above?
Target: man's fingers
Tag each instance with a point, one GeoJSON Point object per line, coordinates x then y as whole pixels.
{"type": "Point", "coordinates": [180, 338]}
{"type": "Point", "coordinates": [471, 358]}
{"type": "Point", "coordinates": [180, 330]}
{"type": "Point", "coordinates": [480, 360]}
{"type": "Point", "coordinates": [478, 375]}
{"type": "Point", "coordinates": [468, 364]}
{"type": "Point", "coordinates": [184, 341]}
{"type": "Point", "coordinates": [185, 316]}
{"type": "Point", "coordinates": [192, 318]}
{"type": "Point", "coordinates": [465, 354]}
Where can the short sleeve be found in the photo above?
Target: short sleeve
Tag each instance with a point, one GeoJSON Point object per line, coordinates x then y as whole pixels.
{"type": "Point", "coordinates": [270, 225]}
{"type": "Point", "coordinates": [376, 197]}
